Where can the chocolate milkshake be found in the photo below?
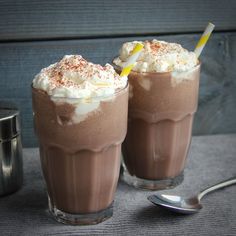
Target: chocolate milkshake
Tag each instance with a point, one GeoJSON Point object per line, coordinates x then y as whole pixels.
{"type": "Point", "coordinates": [80, 115]}
{"type": "Point", "coordinates": [163, 98]}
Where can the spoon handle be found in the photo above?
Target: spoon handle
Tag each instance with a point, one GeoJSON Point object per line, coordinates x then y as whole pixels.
{"type": "Point", "coordinates": [217, 186]}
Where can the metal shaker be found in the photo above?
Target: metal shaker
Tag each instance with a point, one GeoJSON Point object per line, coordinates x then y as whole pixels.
{"type": "Point", "coordinates": [11, 170]}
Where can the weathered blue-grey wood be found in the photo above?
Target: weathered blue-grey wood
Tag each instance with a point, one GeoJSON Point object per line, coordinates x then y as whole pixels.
{"type": "Point", "coordinates": [31, 19]}
{"type": "Point", "coordinates": [19, 62]}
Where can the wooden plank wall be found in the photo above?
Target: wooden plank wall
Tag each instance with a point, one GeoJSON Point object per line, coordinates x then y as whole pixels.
{"type": "Point", "coordinates": [34, 34]}
{"type": "Point", "coordinates": [33, 19]}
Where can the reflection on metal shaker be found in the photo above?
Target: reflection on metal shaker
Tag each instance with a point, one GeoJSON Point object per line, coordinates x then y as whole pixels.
{"type": "Point", "coordinates": [11, 171]}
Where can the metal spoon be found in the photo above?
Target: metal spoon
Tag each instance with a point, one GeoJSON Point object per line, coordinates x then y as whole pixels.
{"type": "Point", "coordinates": [186, 205]}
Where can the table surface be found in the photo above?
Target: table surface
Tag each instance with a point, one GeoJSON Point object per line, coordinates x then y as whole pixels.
{"type": "Point", "coordinates": [211, 159]}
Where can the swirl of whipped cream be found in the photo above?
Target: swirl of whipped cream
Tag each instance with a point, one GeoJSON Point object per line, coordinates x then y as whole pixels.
{"type": "Point", "coordinates": [79, 83]}
{"type": "Point", "coordinates": [74, 77]}
{"type": "Point", "coordinates": [158, 56]}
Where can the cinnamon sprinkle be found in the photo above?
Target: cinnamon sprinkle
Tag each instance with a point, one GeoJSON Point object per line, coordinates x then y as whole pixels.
{"type": "Point", "coordinates": [57, 74]}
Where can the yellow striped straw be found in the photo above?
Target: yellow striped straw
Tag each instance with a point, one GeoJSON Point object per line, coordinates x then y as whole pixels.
{"type": "Point", "coordinates": [132, 59]}
{"type": "Point", "coordinates": [203, 40]}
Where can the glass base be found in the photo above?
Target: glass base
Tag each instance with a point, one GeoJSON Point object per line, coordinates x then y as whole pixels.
{"type": "Point", "coordinates": [80, 219]}
{"type": "Point", "coordinates": [151, 184]}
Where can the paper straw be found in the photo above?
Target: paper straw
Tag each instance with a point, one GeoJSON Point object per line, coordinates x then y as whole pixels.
{"type": "Point", "coordinates": [203, 40]}
{"type": "Point", "coordinates": [132, 59]}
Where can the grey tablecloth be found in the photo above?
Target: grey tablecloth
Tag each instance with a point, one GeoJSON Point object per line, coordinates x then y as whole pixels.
{"type": "Point", "coordinates": [211, 159]}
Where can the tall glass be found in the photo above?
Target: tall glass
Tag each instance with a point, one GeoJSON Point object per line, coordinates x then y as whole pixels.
{"type": "Point", "coordinates": [80, 146]}
{"type": "Point", "coordinates": [160, 118]}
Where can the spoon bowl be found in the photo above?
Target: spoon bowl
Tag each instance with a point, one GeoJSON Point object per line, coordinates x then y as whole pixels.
{"type": "Point", "coordinates": [176, 203]}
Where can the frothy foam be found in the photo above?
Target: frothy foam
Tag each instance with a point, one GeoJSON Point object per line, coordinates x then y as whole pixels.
{"type": "Point", "coordinates": [76, 81]}
{"type": "Point", "coordinates": [158, 56]}
{"type": "Point", "coordinates": [74, 77]}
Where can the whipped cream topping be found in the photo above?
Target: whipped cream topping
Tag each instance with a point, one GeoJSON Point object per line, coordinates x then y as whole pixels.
{"type": "Point", "coordinates": [74, 77]}
{"type": "Point", "coordinates": [80, 83]}
{"type": "Point", "coordinates": [158, 56]}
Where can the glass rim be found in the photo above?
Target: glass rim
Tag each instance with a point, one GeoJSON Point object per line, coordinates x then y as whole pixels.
{"type": "Point", "coordinates": [154, 73]}
{"type": "Point", "coordinates": [102, 97]}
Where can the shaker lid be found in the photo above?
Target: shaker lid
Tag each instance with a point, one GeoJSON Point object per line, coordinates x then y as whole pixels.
{"type": "Point", "coordinates": [9, 122]}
